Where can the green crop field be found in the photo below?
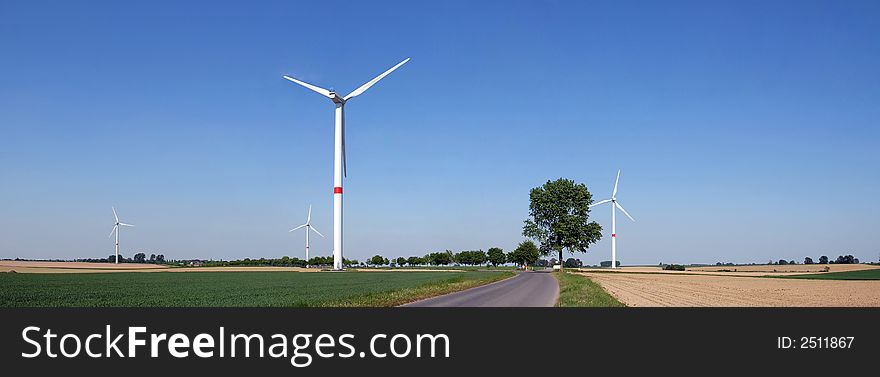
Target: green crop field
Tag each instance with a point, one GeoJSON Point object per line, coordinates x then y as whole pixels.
{"type": "Point", "coordinates": [200, 289]}
{"type": "Point", "coordinates": [873, 274]}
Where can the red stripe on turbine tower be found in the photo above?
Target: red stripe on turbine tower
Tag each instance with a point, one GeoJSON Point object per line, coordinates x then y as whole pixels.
{"type": "Point", "coordinates": [613, 234]}
{"type": "Point", "coordinates": [337, 190]}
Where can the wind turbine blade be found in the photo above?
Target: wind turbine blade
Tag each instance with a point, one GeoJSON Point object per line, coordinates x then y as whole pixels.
{"type": "Point", "coordinates": [309, 219]}
{"type": "Point", "coordinates": [624, 211]}
{"type": "Point", "coordinates": [114, 214]}
{"type": "Point", "coordinates": [370, 83]}
{"type": "Point", "coordinates": [111, 232]}
{"type": "Point", "coordinates": [614, 193]}
{"type": "Point", "coordinates": [124, 224]}
{"type": "Point", "coordinates": [319, 90]}
{"type": "Point", "coordinates": [297, 227]}
{"type": "Point", "coordinates": [600, 202]}
{"type": "Point", "coordinates": [316, 231]}
{"type": "Point", "coordinates": [344, 163]}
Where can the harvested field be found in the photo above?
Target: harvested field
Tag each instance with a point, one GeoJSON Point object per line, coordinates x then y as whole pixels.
{"type": "Point", "coordinates": [42, 264]}
{"type": "Point", "coordinates": [75, 267]}
{"type": "Point", "coordinates": [800, 268]}
{"type": "Point", "coordinates": [754, 271]}
{"type": "Point", "coordinates": [688, 290]}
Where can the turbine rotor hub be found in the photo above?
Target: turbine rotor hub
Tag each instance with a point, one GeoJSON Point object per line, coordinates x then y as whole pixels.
{"type": "Point", "coordinates": [336, 98]}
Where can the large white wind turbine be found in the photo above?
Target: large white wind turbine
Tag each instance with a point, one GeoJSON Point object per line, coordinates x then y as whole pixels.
{"type": "Point", "coordinates": [339, 169]}
{"type": "Point", "coordinates": [116, 230]}
{"type": "Point", "coordinates": [308, 226]}
{"type": "Point", "coordinates": [615, 205]}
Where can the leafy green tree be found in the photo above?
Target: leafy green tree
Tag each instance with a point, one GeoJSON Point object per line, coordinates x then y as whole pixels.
{"type": "Point", "coordinates": [459, 258]}
{"type": "Point", "coordinates": [444, 258]}
{"type": "Point", "coordinates": [525, 254]}
{"type": "Point", "coordinates": [401, 261]}
{"type": "Point", "coordinates": [560, 217]}
{"type": "Point", "coordinates": [478, 257]}
{"type": "Point", "coordinates": [140, 258]}
{"type": "Point", "coordinates": [573, 263]}
{"type": "Point", "coordinates": [823, 260]}
{"type": "Point", "coordinates": [808, 260]}
{"type": "Point", "coordinates": [378, 260]}
{"type": "Point", "coordinates": [441, 258]}
{"type": "Point", "coordinates": [471, 257]}
{"type": "Point", "coordinates": [496, 256]}
{"type": "Point", "coordinates": [414, 261]}
{"type": "Point", "coordinates": [320, 261]}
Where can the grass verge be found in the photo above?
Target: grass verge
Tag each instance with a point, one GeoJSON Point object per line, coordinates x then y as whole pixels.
{"type": "Point", "coordinates": [579, 291]}
{"type": "Point", "coordinates": [233, 289]}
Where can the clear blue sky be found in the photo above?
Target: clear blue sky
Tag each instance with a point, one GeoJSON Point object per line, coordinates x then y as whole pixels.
{"type": "Point", "coordinates": [745, 130]}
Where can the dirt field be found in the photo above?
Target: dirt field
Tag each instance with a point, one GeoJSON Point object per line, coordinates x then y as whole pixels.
{"type": "Point", "coordinates": [82, 267]}
{"type": "Point", "coordinates": [757, 270]}
{"type": "Point", "coordinates": [641, 289]}
{"type": "Point", "coordinates": [796, 268]}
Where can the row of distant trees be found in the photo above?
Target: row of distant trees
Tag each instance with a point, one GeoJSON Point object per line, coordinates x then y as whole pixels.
{"type": "Point", "coordinates": [284, 261]}
{"type": "Point", "coordinates": [526, 253]}
{"type": "Point", "coordinates": [138, 258]}
{"type": "Point", "coordinates": [841, 259]}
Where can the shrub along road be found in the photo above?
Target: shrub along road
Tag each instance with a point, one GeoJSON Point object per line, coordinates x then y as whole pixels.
{"type": "Point", "coordinates": [526, 289]}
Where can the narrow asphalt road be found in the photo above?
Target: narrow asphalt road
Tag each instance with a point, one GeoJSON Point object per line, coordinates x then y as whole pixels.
{"type": "Point", "coordinates": [525, 289]}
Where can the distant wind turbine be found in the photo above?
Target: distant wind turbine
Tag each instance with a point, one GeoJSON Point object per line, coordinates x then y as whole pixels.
{"type": "Point", "coordinates": [308, 226]}
{"type": "Point", "coordinates": [615, 205]}
{"type": "Point", "coordinates": [339, 169]}
{"type": "Point", "coordinates": [116, 231]}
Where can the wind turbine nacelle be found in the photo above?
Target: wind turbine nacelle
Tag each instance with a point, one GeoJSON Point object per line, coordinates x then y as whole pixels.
{"type": "Point", "coordinates": [336, 98]}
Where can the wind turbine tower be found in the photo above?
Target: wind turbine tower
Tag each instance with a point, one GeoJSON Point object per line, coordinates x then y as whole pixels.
{"type": "Point", "coordinates": [615, 205]}
{"type": "Point", "coordinates": [339, 169]}
{"type": "Point", "coordinates": [308, 226]}
{"type": "Point", "coordinates": [116, 231]}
